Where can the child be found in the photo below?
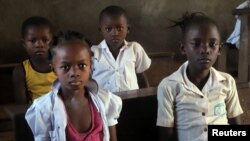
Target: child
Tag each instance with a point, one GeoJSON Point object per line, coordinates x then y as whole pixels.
{"type": "Point", "coordinates": [33, 77]}
{"type": "Point", "coordinates": [196, 94]}
{"type": "Point", "coordinates": [74, 110]}
{"type": "Point", "coordinates": [116, 61]}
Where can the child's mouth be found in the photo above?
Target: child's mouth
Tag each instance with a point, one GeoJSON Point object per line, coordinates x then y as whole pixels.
{"type": "Point", "coordinates": [205, 60]}
{"type": "Point", "coordinates": [39, 52]}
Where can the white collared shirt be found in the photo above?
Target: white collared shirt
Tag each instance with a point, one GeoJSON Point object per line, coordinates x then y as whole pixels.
{"type": "Point", "coordinates": [47, 116]}
{"type": "Point", "coordinates": [182, 104]}
{"type": "Point", "coordinates": [120, 74]}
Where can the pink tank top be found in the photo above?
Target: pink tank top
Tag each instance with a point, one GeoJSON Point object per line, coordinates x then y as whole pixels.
{"type": "Point", "coordinates": [94, 134]}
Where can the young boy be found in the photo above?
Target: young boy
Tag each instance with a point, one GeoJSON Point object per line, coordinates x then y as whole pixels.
{"type": "Point", "coordinates": [116, 61]}
{"type": "Point", "coordinates": [197, 95]}
{"type": "Point", "coordinates": [33, 77]}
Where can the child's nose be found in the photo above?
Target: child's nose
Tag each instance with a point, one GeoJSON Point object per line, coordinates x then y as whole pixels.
{"type": "Point", "coordinates": [39, 43]}
{"type": "Point", "coordinates": [205, 48]}
{"type": "Point", "coordinates": [74, 71]}
{"type": "Point", "coordinates": [115, 31]}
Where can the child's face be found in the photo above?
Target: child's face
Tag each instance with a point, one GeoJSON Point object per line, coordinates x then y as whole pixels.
{"type": "Point", "coordinates": [36, 41]}
{"type": "Point", "coordinates": [202, 46]}
{"type": "Point", "coordinates": [72, 65]}
{"type": "Point", "coordinates": [114, 29]}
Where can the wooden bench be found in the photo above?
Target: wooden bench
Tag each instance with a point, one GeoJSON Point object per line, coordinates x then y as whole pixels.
{"type": "Point", "coordinates": [6, 86]}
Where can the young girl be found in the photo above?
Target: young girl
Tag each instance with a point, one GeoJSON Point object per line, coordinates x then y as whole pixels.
{"type": "Point", "coordinates": [197, 95]}
{"type": "Point", "coordinates": [34, 77]}
{"type": "Point", "coordinates": [75, 110]}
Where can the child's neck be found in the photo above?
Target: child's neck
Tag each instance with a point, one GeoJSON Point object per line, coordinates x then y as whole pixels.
{"type": "Point", "coordinates": [41, 65]}
{"type": "Point", "coordinates": [115, 50]}
{"type": "Point", "coordinates": [199, 78]}
{"type": "Point", "coordinates": [70, 96]}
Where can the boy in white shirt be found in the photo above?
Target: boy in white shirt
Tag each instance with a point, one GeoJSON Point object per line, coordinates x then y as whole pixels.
{"type": "Point", "coordinates": [117, 63]}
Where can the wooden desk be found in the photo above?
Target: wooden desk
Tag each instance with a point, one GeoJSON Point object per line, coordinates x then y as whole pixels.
{"type": "Point", "coordinates": [22, 132]}
{"type": "Point", "coordinates": [125, 95]}
{"type": "Point", "coordinates": [137, 120]}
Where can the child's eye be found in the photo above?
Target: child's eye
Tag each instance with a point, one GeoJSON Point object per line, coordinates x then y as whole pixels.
{"type": "Point", "coordinates": [81, 66]}
{"type": "Point", "coordinates": [196, 43]}
{"type": "Point", "coordinates": [45, 40]}
{"type": "Point", "coordinates": [108, 29]}
{"type": "Point", "coordinates": [65, 67]}
{"type": "Point", "coordinates": [119, 28]}
{"type": "Point", "coordinates": [213, 44]}
{"type": "Point", "coordinates": [32, 40]}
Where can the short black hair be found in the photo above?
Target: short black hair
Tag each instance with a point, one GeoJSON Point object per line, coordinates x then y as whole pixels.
{"type": "Point", "coordinates": [35, 21]}
{"type": "Point", "coordinates": [112, 10]}
{"type": "Point", "coordinates": [64, 37]}
{"type": "Point", "coordinates": [192, 19]}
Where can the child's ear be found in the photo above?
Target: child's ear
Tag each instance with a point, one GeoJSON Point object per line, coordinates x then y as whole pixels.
{"type": "Point", "coordinates": [22, 42]}
{"type": "Point", "coordinates": [128, 28]}
{"type": "Point", "coordinates": [52, 68]}
{"type": "Point", "coordinates": [220, 48]}
{"type": "Point", "coordinates": [99, 29]}
{"type": "Point", "coordinates": [182, 48]}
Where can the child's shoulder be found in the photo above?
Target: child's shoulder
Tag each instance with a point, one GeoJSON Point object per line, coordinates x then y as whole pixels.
{"type": "Point", "coordinates": [223, 75]}
{"type": "Point", "coordinates": [133, 44]}
{"type": "Point", "coordinates": [170, 80]}
{"type": "Point", "coordinates": [44, 102]}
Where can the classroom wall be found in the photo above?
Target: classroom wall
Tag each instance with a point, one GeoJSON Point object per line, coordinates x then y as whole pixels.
{"type": "Point", "coordinates": [148, 19]}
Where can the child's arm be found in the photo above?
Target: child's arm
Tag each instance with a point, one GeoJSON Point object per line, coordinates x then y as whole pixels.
{"type": "Point", "coordinates": [18, 79]}
{"type": "Point", "coordinates": [232, 102]}
{"type": "Point", "coordinates": [142, 80]}
{"type": "Point", "coordinates": [112, 133]}
{"type": "Point", "coordinates": [165, 112]}
{"type": "Point", "coordinates": [142, 63]}
{"type": "Point", "coordinates": [235, 120]}
{"type": "Point", "coordinates": [166, 134]}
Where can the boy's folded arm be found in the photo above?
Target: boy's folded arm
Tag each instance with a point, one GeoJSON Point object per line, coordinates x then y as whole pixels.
{"type": "Point", "coordinates": [142, 80]}
{"type": "Point", "coordinates": [166, 134]}
{"type": "Point", "coordinates": [18, 78]}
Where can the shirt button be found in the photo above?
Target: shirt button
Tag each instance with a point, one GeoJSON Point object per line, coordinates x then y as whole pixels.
{"type": "Point", "coordinates": [205, 129]}
{"type": "Point", "coordinates": [203, 114]}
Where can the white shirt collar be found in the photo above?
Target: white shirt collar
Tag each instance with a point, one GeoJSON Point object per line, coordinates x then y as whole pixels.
{"type": "Point", "coordinates": [104, 45]}
{"type": "Point", "coordinates": [181, 76]}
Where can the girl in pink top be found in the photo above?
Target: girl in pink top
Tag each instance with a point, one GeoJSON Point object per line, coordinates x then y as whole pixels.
{"type": "Point", "coordinates": [74, 110]}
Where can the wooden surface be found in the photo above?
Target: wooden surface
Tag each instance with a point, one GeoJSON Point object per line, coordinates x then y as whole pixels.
{"type": "Point", "coordinates": [125, 95]}
{"type": "Point", "coordinates": [244, 11]}
{"type": "Point", "coordinates": [22, 132]}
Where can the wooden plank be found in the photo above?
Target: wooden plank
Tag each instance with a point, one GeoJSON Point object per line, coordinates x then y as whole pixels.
{"type": "Point", "coordinates": [137, 93]}
{"type": "Point", "coordinates": [7, 136]}
{"type": "Point", "coordinates": [243, 52]}
{"type": "Point", "coordinates": [8, 66]}
{"type": "Point", "coordinates": [244, 11]}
